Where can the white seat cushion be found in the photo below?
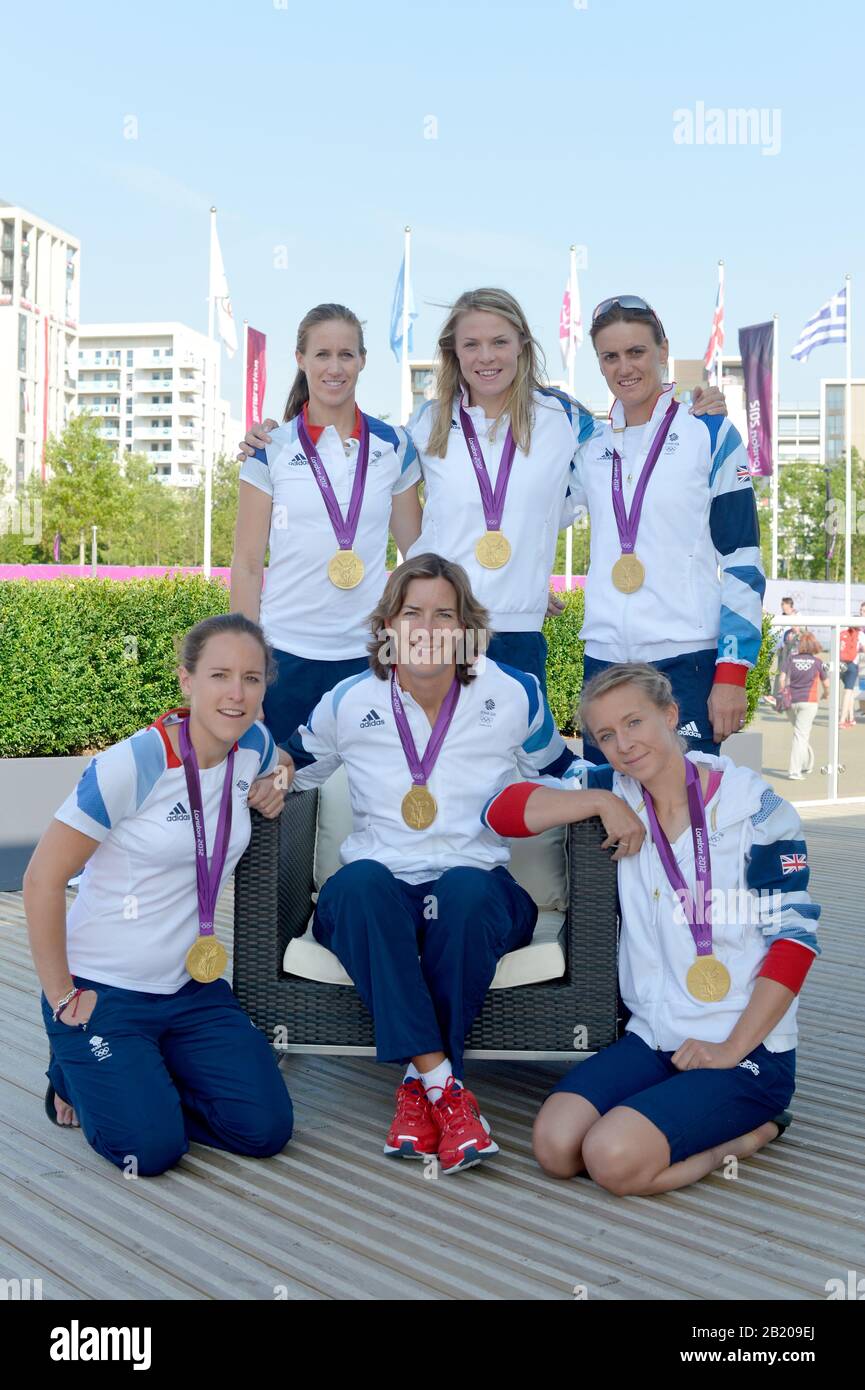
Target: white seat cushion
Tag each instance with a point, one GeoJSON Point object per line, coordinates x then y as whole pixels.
{"type": "Point", "coordinates": [542, 959]}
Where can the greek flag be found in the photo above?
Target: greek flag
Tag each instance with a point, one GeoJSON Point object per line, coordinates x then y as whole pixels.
{"type": "Point", "coordinates": [828, 325]}
{"type": "Point", "coordinates": [396, 315]}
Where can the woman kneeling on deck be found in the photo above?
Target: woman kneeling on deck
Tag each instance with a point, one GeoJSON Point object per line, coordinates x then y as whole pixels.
{"type": "Point", "coordinates": [149, 1047]}
{"type": "Point", "coordinates": [717, 937]}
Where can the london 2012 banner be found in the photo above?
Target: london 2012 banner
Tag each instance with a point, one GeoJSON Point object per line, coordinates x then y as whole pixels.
{"type": "Point", "coordinates": [256, 377]}
{"type": "Point", "coordinates": [756, 348]}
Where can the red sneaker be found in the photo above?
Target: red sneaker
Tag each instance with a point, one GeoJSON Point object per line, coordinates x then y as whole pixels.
{"type": "Point", "coordinates": [465, 1135]}
{"type": "Point", "coordinates": [413, 1131]}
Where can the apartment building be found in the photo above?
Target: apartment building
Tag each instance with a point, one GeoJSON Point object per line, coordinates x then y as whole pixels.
{"type": "Point", "coordinates": [39, 308]}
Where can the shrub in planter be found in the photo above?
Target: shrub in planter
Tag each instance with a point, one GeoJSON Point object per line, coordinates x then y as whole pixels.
{"type": "Point", "coordinates": [86, 662]}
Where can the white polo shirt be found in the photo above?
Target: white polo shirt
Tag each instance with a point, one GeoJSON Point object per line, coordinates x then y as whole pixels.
{"type": "Point", "coordinates": [502, 730]}
{"type": "Point", "coordinates": [136, 913]}
{"type": "Point", "coordinates": [301, 610]}
{"type": "Point", "coordinates": [453, 516]}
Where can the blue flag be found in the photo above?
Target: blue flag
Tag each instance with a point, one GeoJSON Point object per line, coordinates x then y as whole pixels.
{"type": "Point", "coordinates": [396, 315]}
{"type": "Point", "coordinates": [828, 325]}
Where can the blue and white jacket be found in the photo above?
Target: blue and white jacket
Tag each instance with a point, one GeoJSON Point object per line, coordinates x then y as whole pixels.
{"type": "Point", "coordinates": [698, 539]}
{"type": "Point", "coordinates": [760, 895]}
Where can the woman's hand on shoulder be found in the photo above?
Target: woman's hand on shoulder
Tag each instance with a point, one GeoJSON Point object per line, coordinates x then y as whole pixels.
{"type": "Point", "coordinates": [256, 438]}
{"type": "Point", "coordinates": [708, 401]}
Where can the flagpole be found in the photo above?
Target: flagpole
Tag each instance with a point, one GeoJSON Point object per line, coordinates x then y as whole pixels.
{"type": "Point", "coordinates": [848, 448]}
{"type": "Point", "coordinates": [719, 370]}
{"type": "Point", "coordinates": [775, 448]}
{"type": "Point", "coordinates": [209, 432]}
{"type": "Point", "coordinates": [572, 365]}
{"type": "Point", "coordinates": [405, 382]}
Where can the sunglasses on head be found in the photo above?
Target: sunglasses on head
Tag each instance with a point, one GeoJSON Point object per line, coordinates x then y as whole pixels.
{"type": "Point", "coordinates": [627, 301]}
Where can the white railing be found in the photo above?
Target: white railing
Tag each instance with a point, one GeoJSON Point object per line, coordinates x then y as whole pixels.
{"type": "Point", "coordinates": [815, 621]}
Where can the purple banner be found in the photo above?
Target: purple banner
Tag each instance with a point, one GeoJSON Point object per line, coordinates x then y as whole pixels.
{"type": "Point", "coordinates": [755, 347]}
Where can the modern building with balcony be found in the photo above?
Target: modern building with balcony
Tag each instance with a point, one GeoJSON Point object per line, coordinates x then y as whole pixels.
{"type": "Point", "coordinates": [154, 388]}
{"type": "Point", "coordinates": [39, 306]}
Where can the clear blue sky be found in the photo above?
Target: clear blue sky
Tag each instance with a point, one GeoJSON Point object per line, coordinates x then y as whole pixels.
{"type": "Point", "coordinates": [305, 126]}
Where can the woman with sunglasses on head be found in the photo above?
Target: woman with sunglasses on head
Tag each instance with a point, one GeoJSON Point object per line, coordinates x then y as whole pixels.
{"type": "Point", "coordinates": [496, 448]}
{"type": "Point", "coordinates": [321, 491]}
{"type": "Point", "coordinates": [671, 502]}
{"type": "Point", "coordinates": [718, 933]}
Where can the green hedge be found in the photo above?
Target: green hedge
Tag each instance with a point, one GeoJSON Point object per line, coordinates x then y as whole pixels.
{"type": "Point", "coordinates": [86, 662]}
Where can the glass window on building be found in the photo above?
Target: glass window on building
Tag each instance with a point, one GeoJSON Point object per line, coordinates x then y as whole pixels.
{"type": "Point", "coordinates": [129, 357]}
{"type": "Point", "coordinates": [834, 423]}
{"type": "Point", "coordinates": [22, 407]}
{"type": "Point", "coordinates": [128, 406]}
{"type": "Point", "coordinates": [129, 428]}
{"type": "Point", "coordinates": [19, 460]}
{"type": "Point", "coordinates": [22, 342]}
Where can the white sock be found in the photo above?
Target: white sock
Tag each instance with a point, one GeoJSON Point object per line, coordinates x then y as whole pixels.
{"type": "Point", "coordinates": [436, 1080]}
{"type": "Point", "coordinates": [411, 1073]}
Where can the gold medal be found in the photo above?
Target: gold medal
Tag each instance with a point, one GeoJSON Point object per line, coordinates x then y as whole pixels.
{"type": "Point", "coordinates": [419, 808]}
{"type": "Point", "coordinates": [628, 574]}
{"type": "Point", "coordinates": [493, 550]}
{"type": "Point", "coordinates": [206, 959]}
{"type": "Point", "coordinates": [708, 979]}
{"type": "Point", "coordinates": [345, 569]}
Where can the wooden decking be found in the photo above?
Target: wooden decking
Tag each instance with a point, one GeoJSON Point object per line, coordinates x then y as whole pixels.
{"type": "Point", "coordinates": [330, 1218]}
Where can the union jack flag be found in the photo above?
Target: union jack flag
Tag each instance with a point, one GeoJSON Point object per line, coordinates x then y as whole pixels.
{"type": "Point", "coordinates": [716, 338]}
{"type": "Point", "coordinates": [743, 473]}
{"type": "Point", "coordinates": [793, 863]}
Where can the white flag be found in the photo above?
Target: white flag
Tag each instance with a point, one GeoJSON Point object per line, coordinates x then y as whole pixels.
{"type": "Point", "coordinates": [225, 325]}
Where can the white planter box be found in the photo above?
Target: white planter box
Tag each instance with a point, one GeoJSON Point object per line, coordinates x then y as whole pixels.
{"type": "Point", "coordinates": [31, 790]}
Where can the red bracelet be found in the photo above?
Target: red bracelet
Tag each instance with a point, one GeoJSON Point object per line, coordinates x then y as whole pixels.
{"type": "Point", "coordinates": [76, 996]}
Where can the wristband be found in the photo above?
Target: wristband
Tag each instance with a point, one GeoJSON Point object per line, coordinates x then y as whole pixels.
{"type": "Point", "coordinates": [505, 814]}
{"type": "Point", "coordinates": [730, 673]}
{"type": "Point", "coordinates": [787, 962]}
{"type": "Point", "coordinates": [67, 999]}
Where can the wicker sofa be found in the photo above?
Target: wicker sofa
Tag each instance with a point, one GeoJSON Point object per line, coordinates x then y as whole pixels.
{"type": "Point", "coordinates": [556, 998]}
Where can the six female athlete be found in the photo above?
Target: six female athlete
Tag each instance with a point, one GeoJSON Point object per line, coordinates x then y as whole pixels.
{"type": "Point", "coordinates": [504, 462]}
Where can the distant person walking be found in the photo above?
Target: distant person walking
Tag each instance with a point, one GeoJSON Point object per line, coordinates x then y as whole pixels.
{"type": "Point", "coordinates": [852, 646]}
{"type": "Point", "coordinates": [788, 638]}
{"type": "Point", "coordinates": [800, 678]}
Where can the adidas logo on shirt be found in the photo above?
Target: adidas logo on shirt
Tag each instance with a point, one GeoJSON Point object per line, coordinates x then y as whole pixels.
{"type": "Point", "coordinates": [689, 730]}
{"type": "Point", "coordinates": [298, 461]}
{"type": "Point", "coordinates": [372, 721]}
{"type": "Point", "coordinates": [178, 812]}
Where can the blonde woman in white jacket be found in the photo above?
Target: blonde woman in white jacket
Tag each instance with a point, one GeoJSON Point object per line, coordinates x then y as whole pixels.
{"type": "Point", "coordinates": [717, 935]}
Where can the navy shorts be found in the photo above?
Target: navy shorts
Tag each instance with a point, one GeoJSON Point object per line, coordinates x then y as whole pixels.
{"type": "Point", "coordinates": [299, 686]}
{"type": "Point", "coordinates": [850, 675]}
{"type": "Point", "coordinates": [691, 677]}
{"type": "Point", "coordinates": [525, 651]}
{"type": "Point", "coordinates": [694, 1110]}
